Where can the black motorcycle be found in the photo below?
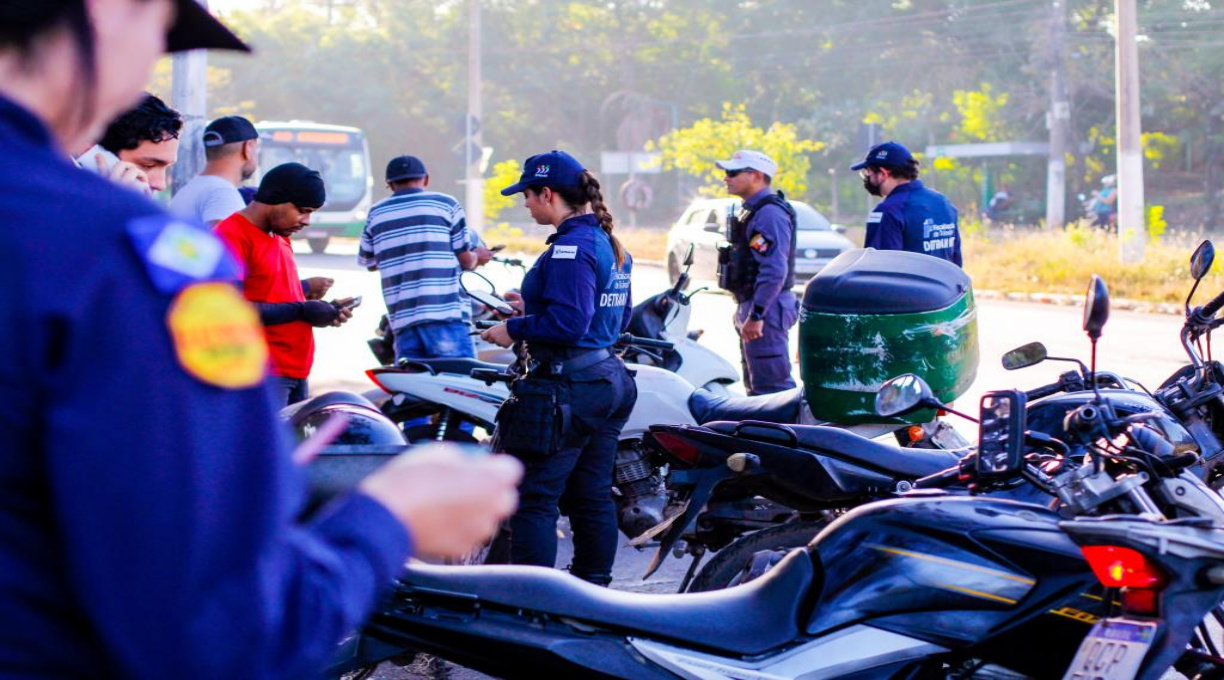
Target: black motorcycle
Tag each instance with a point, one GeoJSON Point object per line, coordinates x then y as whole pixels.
{"type": "Point", "coordinates": [927, 585]}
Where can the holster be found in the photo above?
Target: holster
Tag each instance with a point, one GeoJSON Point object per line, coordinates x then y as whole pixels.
{"type": "Point", "coordinates": [534, 420]}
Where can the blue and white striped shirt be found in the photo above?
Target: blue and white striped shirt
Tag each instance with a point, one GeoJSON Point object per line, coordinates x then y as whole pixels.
{"type": "Point", "coordinates": [412, 237]}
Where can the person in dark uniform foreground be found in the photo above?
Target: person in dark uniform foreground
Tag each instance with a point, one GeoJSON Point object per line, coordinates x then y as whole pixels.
{"type": "Point", "coordinates": [761, 272]}
{"type": "Point", "coordinates": [147, 527]}
{"type": "Point", "coordinates": [566, 413]}
{"type": "Point", "coordinates": [911, 217]}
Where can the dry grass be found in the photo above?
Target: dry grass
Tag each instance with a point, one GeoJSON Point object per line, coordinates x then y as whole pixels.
{"type": "Point", "coordinates": [1033, 261]}
{"type": "Point", "coordinates": [644, 244]}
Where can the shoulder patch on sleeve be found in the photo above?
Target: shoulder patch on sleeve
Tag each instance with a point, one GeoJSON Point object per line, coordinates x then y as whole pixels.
{"type": "Point", "coordinates": [217, 336]}
{"type": "Point", "coordinates": [875, 217]}
{"type": "Point", "coordinates": [564, 252]}
{"type": "Point", "coordinates": [177, 254]}
{"type": "Point", "coordinates": [759, 243]}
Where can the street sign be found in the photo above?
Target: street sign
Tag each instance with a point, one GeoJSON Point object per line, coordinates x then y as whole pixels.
{"type": "Point", "coordinates": [620, 162]}
{"type": "Point", "coordinates": [988, 149]}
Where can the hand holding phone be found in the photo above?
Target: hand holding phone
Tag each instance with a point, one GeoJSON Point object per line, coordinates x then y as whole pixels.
{"type": "Point", "coordinates": [351, 303]}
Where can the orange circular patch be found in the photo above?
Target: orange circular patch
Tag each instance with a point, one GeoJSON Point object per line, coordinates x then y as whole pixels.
{"type": "Point", "coordinates": [217, 336]}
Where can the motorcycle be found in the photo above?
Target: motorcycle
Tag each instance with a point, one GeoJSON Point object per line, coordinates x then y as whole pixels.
{"type": "Point", "coordinates": [1193, 395]}
{"type": "Point", "coordinates": [929, 584]}
{"type": "Point", "coordinates": [746, 516]}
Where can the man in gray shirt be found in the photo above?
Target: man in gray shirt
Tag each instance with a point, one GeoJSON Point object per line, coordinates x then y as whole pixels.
{"type": "Point", "coordinates": [231, 145]}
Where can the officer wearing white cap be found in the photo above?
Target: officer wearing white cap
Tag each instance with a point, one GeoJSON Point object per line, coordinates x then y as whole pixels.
{"type": "Point", "coordinates": [759, 270]}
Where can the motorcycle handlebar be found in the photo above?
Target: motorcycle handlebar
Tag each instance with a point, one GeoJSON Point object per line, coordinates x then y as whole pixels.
{"type": "Point", "coordinates": [1043, 391]}
{"type": "Point", "coordinates": [638, 341]}
{"type": "Point", "coordinates": [1210, 309]}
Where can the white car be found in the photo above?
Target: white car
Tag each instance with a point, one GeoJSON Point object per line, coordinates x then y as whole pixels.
{"type": "Point", "coordinates": [704, 224]}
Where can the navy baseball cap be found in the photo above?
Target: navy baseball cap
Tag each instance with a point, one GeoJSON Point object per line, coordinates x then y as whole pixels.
{"type": "Point", "coordinates": [886, 154]}
{"type": "Point", "coordinates": [405, 167]}
{"type": "Point", "coordinates": [555, 169]}
{"type": "Point", "coordinates": [227, 130]}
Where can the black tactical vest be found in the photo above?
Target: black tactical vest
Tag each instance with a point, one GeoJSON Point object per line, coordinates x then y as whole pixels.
{"type": "Point", "coordinates": [737, 268]}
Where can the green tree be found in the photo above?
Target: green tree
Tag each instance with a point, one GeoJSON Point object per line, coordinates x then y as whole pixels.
{"type": "Point", "coordinates": [695, 149]}
{"type": "Point", "coordinates": [504, 174]}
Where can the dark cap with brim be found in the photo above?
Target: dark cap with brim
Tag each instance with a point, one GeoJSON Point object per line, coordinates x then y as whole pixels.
{"type": "Point", "coordinates": [555, 169]}
{"type": "Point", "coordinates": [196, 29]}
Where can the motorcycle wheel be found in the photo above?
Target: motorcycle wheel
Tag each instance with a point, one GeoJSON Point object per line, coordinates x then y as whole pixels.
{"type": "Point", "coordinates": [730, 566]}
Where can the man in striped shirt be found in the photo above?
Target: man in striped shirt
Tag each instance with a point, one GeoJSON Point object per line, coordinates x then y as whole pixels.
{"type": "Point", "coordinates": [418, 241]}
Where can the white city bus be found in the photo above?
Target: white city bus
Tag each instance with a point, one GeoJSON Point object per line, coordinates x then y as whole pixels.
{"type": "Point", "coordinates": [341, 155]}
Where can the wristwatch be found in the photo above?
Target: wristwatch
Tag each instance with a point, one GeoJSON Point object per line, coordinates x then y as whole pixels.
{"type": "Point", "coordinates": [756, 315]}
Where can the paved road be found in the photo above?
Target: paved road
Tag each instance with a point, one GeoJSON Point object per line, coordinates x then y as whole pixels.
{"type": "Point", "coordinates": [1140, 346]}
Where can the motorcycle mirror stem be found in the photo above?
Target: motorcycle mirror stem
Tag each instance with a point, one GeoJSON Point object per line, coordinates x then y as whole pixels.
{"type": "Point", "coordinates": [1200, 265]}
{"type": "Point", "coordinates": [1096, 313]}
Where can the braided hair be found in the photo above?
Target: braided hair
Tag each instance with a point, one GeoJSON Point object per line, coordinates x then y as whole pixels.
{"type": "Point", "coordinates": [588, 192]}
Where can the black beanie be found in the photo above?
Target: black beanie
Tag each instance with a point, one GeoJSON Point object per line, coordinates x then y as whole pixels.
{"type": "Point", "coordinates": [292, 183]}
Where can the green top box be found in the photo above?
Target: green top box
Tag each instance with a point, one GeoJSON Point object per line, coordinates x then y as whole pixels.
{"type": "Point", "coordinates": [873, 315]}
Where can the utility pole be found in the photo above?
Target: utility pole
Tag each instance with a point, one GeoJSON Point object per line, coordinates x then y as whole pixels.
{"type": "Point", "coordinates": [1059, 117]}
{"type": "Point", "coordinates": [833, 211]}
{"type": "Point", "coordinates": [473, 181]}
{"type": "Point", "coordinates": [1132, 227]}
{"type": "Point", "coordinates": [190, 98]}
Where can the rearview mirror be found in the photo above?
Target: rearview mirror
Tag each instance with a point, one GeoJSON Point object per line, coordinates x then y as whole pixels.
{"type": "Point", "coordinates": [688, 258]}
{"type": "Point", "coordinates": [1096, 308]}
{"type": "Point", "coordinates": [1001, 434]}
{"type": "Point", "coordinates": [839, 228]}
{"type": "Point", "coordinates": [1201, 260]}
{"type": "Point", "coordinates": [903, 394]}
{"type": "Point", "coordinates": [1025, 356]}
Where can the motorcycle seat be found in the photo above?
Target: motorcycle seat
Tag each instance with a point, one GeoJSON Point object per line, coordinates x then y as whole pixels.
{"type": "Point", "coordinates": [460, 365]}
{"type": "Point", "coordinates": [294, 413]}
{"type": "Point", "coordinates": [748, 619]}
{"type": "Point", "coordinates": [782, 407]}
{"type": "Point", "coordinates": [837, 443]}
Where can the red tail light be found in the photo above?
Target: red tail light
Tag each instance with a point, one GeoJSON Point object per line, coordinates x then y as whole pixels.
{"type": "Point", "coordinates": [677, 446]}
{"type": "Point", "coordinates": [372, 374]}
{"type": "Point", "coordinates": [1118, 567]}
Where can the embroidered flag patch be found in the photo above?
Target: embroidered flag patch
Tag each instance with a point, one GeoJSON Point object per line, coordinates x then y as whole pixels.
{"type": "Point", "coordinates": [759, 243]}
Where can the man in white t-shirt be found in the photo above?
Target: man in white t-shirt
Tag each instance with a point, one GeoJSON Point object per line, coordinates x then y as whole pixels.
{"type": "Point", "coordinates": [231, 147]}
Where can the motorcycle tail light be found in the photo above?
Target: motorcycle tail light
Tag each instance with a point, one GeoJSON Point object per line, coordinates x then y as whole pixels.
{"type": "Point", "coordinates": [1118, 567]}
{"type": "Point", "coordinates": [372, 374]}
{"type": "Point", "coordinates": [1143, 601]}
{"type": "Point", "coordinates": [677, 446]}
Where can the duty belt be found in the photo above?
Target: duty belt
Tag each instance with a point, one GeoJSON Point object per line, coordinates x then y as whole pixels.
{"type": "Point", "coordinates": [556, 367]}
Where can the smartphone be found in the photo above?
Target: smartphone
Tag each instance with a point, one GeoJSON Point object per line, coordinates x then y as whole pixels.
{"type": "Point", "coordinates": [89, 159]}
{"type": "Point", "coordinates": [352, 304]}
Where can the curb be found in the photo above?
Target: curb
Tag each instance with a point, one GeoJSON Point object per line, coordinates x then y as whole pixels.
{"type": "Point", "coordinates": [1067, 300]}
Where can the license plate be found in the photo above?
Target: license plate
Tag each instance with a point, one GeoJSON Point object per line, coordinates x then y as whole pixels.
{"type": "Point", "coordinates": [1113, 650]}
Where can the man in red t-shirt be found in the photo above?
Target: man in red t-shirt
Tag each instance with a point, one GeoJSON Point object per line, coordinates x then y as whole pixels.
{"type": "Point", "coordinates": [258, 236]}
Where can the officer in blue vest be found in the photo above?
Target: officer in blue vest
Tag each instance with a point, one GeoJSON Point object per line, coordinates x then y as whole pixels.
{"type": "Point", "coordinates": [576, 395]}
{"type": "Point", "coordinates": [911, 217]}
{"type": "Point", "coordinates": [149, 527]}
{"type": "Point", "coordinates": [759, 270]}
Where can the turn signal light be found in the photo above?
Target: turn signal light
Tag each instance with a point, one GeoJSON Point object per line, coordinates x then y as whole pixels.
{"type": "Point", "coordinates": [915, 433]}
{"type": "Point", "coordinates": [677, 446]}
{"type": "Point", "coordinates": [1118, 567]}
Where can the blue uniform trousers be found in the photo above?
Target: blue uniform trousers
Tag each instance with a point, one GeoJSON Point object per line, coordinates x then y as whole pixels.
{"type": "Point", "coordinates": [579, 476]}
{"type": "Point", "coordinates": [766, 360]}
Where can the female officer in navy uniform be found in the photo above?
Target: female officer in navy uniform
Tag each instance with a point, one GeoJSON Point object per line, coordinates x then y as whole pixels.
{"type": "Point", "coordinates": [575, 303]}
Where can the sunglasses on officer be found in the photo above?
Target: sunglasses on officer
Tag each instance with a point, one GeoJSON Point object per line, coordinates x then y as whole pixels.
{"type": "Point", "coordinates": [735, 173]}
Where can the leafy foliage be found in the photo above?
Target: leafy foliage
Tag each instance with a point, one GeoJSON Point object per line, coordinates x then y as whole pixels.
{"type": "Point", "coordinates": [696, 148]}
